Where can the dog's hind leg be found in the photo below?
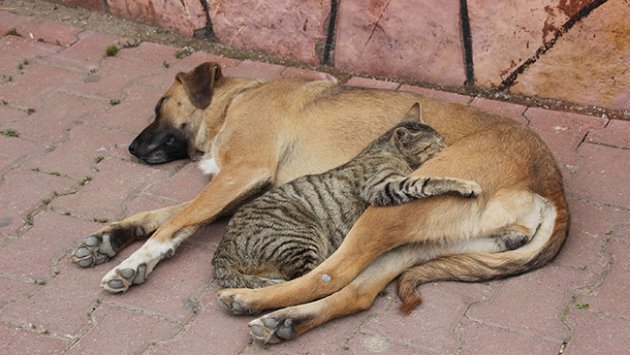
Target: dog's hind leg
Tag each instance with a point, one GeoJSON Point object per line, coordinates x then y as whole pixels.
{"type": "Point", "coordinates": [377, 231]}
{"type": "Point", "coordinates": [225, 191]}
{"type": "Point", "coordinates": [107, 242]}
{"type": "Point", "coordinates": [357, 296]}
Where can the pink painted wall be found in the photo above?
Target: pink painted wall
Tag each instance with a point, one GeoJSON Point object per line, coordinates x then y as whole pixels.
{"type": "Point", "coordinates": [572, 50]}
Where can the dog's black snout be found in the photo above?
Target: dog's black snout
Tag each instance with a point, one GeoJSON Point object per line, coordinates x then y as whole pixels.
{"type": "Point", "coordinates": [170, 139]}
{"type": "Point", "coordinates": [133, 147]}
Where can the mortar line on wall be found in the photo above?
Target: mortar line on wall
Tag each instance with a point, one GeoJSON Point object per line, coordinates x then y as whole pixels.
{"type": "Point", "coordinates": [467, 42]}
{"type": "Point", "coordinates": [584, 12]}
{"type": "Point", "coordinates": [329, 47]}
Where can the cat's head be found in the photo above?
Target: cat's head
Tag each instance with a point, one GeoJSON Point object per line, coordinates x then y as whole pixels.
{"type": "Point", "coordinates": [414, 139]}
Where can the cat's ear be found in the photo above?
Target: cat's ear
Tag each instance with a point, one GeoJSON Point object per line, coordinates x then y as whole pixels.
{"type": "Point", "coordinates": [414, 114]}
{"type": "Point", "coordinates": [401, 137]}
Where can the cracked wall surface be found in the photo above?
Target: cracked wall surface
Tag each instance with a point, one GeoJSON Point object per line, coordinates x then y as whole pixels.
{"type": "Point", "coordinates": [576, 51]}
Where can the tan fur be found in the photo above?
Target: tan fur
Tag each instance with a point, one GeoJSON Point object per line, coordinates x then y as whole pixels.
{"type": "Point", "coordinates": [264, 134]}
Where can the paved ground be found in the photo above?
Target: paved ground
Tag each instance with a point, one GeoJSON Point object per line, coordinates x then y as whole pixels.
{"type": "Point", "coordinates": [67, 115]}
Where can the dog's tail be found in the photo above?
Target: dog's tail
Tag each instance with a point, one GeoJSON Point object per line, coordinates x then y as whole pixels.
{"type": "Point", "coordinates": [477, 267]}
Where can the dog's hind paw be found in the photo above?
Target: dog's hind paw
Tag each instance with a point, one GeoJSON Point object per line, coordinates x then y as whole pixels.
{"type": "Point", "coordinates": [272, 330]}
{"type": "Point", "coordinates": [94, 250]}
{"type": "Point", "coordinates": [233, 304]}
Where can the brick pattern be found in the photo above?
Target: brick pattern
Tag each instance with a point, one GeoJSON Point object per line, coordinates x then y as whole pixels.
{"type": "Point", "coordinates": [47, 305]}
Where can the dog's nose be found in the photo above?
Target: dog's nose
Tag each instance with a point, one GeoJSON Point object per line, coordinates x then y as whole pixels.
{"type": "Point", "coordinates": [133, 147]}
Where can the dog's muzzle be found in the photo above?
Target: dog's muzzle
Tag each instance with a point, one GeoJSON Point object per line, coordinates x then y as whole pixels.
{"type": "Point", "coordinates": [159, 144]}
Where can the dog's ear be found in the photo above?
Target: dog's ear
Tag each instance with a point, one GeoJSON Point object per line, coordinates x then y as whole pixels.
{"type": "Point", "coordinates": [414, 114]}
{"type": "Point", "coordinates": [200, 83]}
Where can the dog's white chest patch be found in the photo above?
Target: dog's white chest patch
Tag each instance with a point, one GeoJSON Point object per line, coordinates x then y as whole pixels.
{"type": "Point", "coordinates": [209, 166]}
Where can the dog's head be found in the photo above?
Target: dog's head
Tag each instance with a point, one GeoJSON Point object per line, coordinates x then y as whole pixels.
{"type": "Point", "coordinates": [178, 117]}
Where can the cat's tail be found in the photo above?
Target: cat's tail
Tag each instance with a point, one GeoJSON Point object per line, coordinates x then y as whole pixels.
{"type": "Point", "coordinates": [228, 276]}
{"type": "Point", "coordinates": [478, 267]}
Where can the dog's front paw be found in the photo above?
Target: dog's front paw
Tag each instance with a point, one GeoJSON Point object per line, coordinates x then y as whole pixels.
{"type": "Point", "coordinates": [103, 245]}
{"type": "Point", "coordinates": [94, 250]}
{"type": "Point", "coordinates": [124, 276]}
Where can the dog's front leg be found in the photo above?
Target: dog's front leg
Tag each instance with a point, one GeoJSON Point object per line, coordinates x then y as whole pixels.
{"type": "Point", "coordinates": [103, 245]}
{"type": "Point", "coordinates": [226, 190]}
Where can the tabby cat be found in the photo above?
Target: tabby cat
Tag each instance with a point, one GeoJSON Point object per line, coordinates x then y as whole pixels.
{"type": "Point", "coordinates": [289, 230]}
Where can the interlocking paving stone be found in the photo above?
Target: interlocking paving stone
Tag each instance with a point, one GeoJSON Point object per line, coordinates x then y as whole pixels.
{"type": "Point", "coordinates": [221, 333]}
{"type": "Point", "coordinates": [87, 53]}
{"type": "Point", "coordinates": [506, 109]}
{"type": "Point", "coordinates": [171, 66]}
{"type": "Point", "coordinates": [108, 188]}
{"type": "Point", "coordinates": [119, 331]}
{"type": "Point", "coordinates": [532, 303]}
{"type": "Point", "coordinates": [19, 202]}
{"type": "Point", "coordinates": [480, 338]}
{"type": "Point", "coordinates": [14, 149]}
{"type": "Point", "coordinates": [173, 288]}
{"type": "Point", "coordinates": [248, 69]}
{"type": "Point", "coordinates": [52, 32]}
{"type": "Point", "coordinates": [31, 85]}
{"type": "Point", "coordinates": [88, 146]}
{"type": "Point", "coordinates": [35, 253]}
{"type": "Point", "coordinates": [61, 305]}
{"type": "Point", "coordinates": [604, 175]}
{"type": "Point", "coordinates": [563, 132]}
{"type": "Point", "coordinates": [444, 304]}
{"type": "Point", "coordinates": [611, 297]}
{"type": "Point", "coordinates": [183, 186]}
{"type": "Point", "coordinates": [11, 290]}
{"type": "Point", "coordinates": [591, 225]}
{"type": "Point", "coordinates": [20, 341]}
{"type": "Point", "coordinates": [436, 94]}
{"type": "Point", "coordinates": [598, 334]}
{"type": "Point", "coordinates": [616, 134]}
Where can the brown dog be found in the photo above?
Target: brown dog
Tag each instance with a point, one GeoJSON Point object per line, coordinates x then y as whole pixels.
{"type": "Point", "coordinates": [257, 134]}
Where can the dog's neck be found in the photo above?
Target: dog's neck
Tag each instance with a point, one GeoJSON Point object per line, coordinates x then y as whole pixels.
{"type": "Point", "coordinates": [213, 117]}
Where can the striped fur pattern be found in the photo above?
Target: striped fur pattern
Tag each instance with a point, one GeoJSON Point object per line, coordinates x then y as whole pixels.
{"type": "Point", "coordinates": [290, 230]}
